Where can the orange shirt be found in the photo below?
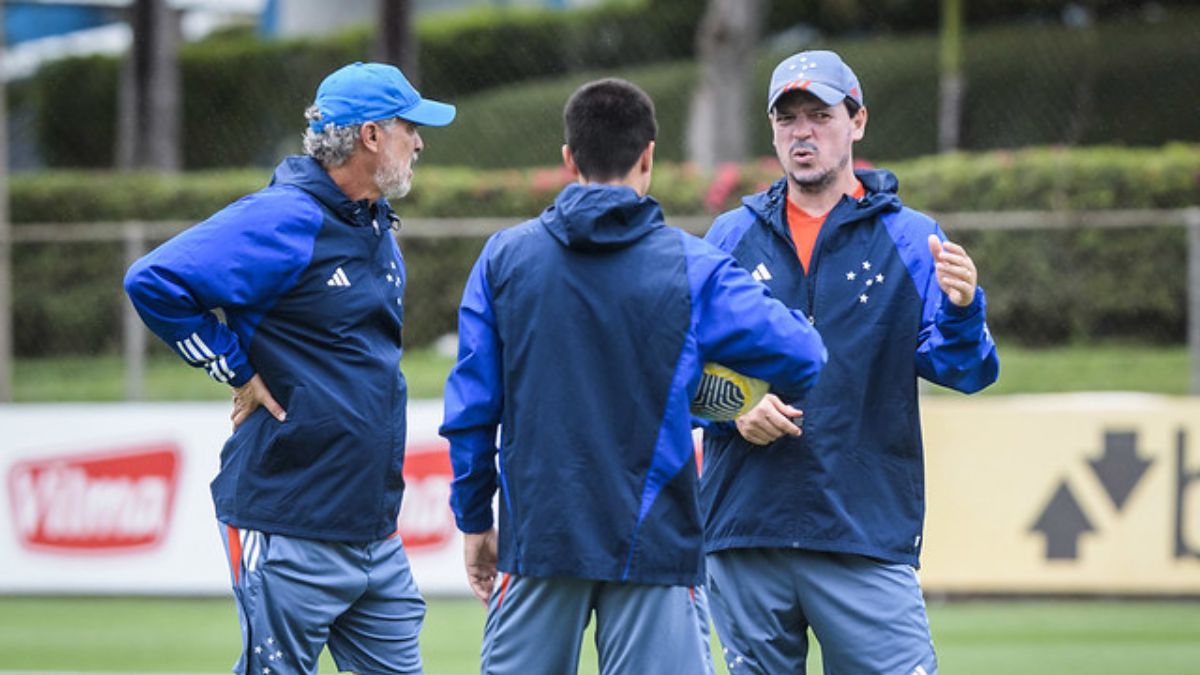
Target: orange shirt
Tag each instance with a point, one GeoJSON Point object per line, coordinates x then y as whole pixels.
{"type": "Point", "coordinates": [805, 228]}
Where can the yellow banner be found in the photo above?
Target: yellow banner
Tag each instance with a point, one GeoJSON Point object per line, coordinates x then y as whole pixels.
{"type": "Point", "coordinates": [1070, 493]}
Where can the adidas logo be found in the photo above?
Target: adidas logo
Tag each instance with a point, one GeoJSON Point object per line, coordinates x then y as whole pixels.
{"type": "Point", "coordinates": [761, 273]}
{"type": "Point", "coordinates": [339, 278]}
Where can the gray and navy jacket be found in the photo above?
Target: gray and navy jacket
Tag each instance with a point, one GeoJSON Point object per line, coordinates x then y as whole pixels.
{"type": "Point", "coordinates": [582, 337]}
{"type": "Point", "coordinates": [854, 481]}
{"type": "Point", "coordinates": [310, 285]}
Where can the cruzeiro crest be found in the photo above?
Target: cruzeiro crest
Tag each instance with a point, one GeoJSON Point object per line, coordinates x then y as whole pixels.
{"type": "Point", "coordinates": [869, 281]}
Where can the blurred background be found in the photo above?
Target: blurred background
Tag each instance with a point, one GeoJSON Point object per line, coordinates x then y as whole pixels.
{"type": "Point", "coordinates": [1059, 141]}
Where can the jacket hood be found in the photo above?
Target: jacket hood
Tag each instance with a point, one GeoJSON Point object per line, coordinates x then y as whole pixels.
{"type": "Point", "coordinates": [600, 217]}
{"type": "Point", "coordinates": [307, 174]}
{"type": "Point", "coordinates": [881, 188]}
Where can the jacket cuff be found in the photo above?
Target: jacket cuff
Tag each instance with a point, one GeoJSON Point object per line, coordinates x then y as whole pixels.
{"type": "Point", "coordinates": [474, 524]}
{"type": "Point", "coordinates": [961, 312]}
{"type": "Point", "coordinates": [242, 376]}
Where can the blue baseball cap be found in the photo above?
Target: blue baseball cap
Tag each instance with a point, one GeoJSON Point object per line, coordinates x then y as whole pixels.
{"type": "Point", "coordinates": [366, 92]}
{"type": "Point", "coordinates": [820, 73]}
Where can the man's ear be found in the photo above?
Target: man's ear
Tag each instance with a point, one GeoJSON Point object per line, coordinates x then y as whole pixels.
{"type": "Point", "coordinates": [369, 135]}
{"type": "Point", "coordinates": [569, 161]}
{"type": "Point", "coordinates": [643, 170]}
{"type": "Point", "coordinates": [646, 161]}
{"type": "Point", "coordinates": [860, 123]}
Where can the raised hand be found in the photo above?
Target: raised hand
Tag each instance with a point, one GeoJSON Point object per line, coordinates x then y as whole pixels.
{"type": "Point", "coordinates": [955, 271]}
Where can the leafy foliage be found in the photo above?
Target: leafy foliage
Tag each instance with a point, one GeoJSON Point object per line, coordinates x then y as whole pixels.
{"type": "Point", "coordinates": [1035, 82]}
{"type": "Point", "coordinates": [1044, 286]}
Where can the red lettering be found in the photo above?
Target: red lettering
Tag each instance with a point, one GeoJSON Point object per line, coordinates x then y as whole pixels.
{"type": "Point", "coordinates": [111, 501]}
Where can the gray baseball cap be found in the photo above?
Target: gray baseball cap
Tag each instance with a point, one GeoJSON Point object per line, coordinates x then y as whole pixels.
{"type": "Point", "coordinates": [820, 73]}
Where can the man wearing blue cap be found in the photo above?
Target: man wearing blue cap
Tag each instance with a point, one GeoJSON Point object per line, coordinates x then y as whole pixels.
{"type": "Point", "coordinates": [814, 507]}
{"type": "Point", "coordinates": [310, 283]}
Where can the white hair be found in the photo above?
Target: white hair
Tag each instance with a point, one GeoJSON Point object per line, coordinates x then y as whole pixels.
{"type": "Point", "coordinates": [333, 145]}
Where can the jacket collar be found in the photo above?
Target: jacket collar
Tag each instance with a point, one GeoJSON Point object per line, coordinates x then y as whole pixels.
{"type": "Point", "coordinates": [881, 186]}
{"type": "Point", "coordinates": [307, 174]}
{"type": "Point", "coordinates": [600, 217]}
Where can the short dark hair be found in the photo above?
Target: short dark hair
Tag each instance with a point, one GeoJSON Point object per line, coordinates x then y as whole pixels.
{"type": "Point", "coordinates": [608, 124]}
{"type": "Point", "coordinates": [849, 103]}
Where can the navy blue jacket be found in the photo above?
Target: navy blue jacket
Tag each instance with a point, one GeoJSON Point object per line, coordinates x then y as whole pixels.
{"type": "Point", "coordinates": [854, 481]}
{"type": "Point", "coordinates": [310, 285]}
{"type": "Point", "coordinates": [582, 336]}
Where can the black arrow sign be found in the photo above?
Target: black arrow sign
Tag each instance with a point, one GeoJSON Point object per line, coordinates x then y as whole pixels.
{"type": "Point", "coordinates": [1062, 521]}
{"type": "Point", "coordinates": [1119, 468]}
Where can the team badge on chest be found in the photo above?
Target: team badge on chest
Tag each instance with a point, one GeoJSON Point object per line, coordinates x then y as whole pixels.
{"type": "Point", "coordinates": [868, 280]}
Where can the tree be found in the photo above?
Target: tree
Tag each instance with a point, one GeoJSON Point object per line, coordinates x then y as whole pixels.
{"type": "Point", "coordinates": [726, 44]}
{"type": "Point", "coordinates": [6, 333]}
{"type": "Point", "coordinates": [952, 86]}
{"type": "Point", "coordinates": [148, 127]}
{"type": "Point", "coordinates": [396, 42]}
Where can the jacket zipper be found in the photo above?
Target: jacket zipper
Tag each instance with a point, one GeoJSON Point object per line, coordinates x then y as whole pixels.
{"type": "Point", "coordinates": [374, 256]}
{"type": "Point", "coordinates": [810, 275]}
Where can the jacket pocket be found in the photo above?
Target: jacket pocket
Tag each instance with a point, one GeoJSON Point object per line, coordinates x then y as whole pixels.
{"type": "Point", "coordinates": [308, 433]}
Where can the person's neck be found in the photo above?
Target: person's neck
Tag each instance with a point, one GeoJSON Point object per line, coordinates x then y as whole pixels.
{"type": "Point", "coordinates": [354, 182]}
{"type": "Point", "coordinates": [822, 201]}
{"type": "Point", "coordinates": [628, 181]}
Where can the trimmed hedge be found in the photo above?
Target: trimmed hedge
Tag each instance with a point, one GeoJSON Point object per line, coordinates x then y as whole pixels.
{"type": "Point", "coordinates": [468, 52]}
{"type": "Point", "coordinates": [1043, 286]}
{"type": "Point", "coordinates": [243, 100]}
{"type": "Point", "coordinates": [244, 97]}
{"type": "Point", "coordinates": [1028, 84]}
{"type": "Point", "coordinates": [1031, 179]}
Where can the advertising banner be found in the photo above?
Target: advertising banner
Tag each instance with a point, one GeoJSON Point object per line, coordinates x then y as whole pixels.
{"type": "Point", "coordinates": [113, 498]}
{"type": "Point", "coordinates": [1073, 493]}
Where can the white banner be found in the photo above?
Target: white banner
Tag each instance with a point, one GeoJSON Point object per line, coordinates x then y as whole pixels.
{"type": "Point", "coordinates": [113, 498]}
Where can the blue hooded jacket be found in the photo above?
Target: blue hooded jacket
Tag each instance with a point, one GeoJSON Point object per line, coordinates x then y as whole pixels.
{"type": "Point", "coordinates": [310, 285]}
{"type": "Point", "coordinates": [854, 481]}
{"type": "Point", "coordinates": [582, 336]}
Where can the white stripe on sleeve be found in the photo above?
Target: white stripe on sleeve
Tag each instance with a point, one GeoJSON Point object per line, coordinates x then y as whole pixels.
{"type": "Point", "coordinates": [183, 351]}
{"type": "Point", "coordinates": [208, 353]}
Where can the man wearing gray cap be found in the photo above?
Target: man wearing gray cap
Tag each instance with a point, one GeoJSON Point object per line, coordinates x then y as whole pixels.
{"type": "Point", "coordinates": [814, 508]}
{"type": "Point", "coordinates": [311, 284]}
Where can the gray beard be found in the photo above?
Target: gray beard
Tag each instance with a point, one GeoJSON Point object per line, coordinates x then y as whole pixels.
{"type": "Point", "coordinates": [392, 182]}
{"type": "Point", "coordinates": [399, 191]}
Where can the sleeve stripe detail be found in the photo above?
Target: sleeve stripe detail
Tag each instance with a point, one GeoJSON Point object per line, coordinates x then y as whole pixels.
{"type": "Point", "coordinates": [186, 350]}
{"type": "Point", "coordinates": [219, 370]}
{"type": "Point", "coordinates": [229, 374]}
{"type": "Point", "coordinates": [197, 353]}
{"type": "Point", "coordinates": [203, 347]}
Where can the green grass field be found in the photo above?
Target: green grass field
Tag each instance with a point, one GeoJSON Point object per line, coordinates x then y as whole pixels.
{"type": "Point", "coordinates": [1160, 370]}
{"type": "Point", "coordinates": [129, 635]}
{"type": "Point", "coordinates": [1092, 368]}
{"type": "Point", "coordinates": [167, 378]}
